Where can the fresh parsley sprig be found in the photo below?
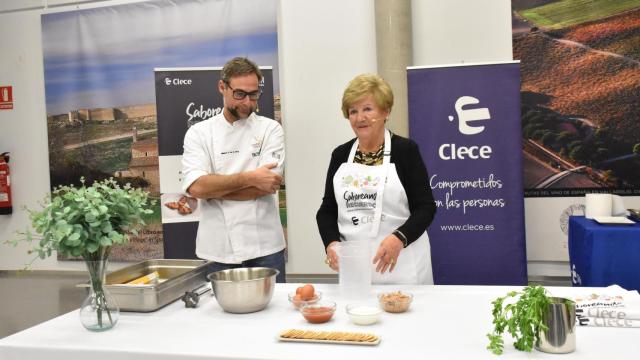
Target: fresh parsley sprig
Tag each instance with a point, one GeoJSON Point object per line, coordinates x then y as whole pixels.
{"type": "Point", "coordinates": [524, 319]}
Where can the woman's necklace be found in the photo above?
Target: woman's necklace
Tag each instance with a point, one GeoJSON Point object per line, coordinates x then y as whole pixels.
{"type": "Point", "coordinates": [369, 158]}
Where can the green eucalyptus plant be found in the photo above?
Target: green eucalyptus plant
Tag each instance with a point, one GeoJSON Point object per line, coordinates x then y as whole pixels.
{"type": "Point", "coordinates": [523, 319]}
{"type": "Point", "coordinates": [86, 221]}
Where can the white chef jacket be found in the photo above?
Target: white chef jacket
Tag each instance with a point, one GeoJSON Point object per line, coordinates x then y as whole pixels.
{"type": "Point", "coordinates": [234, 231]}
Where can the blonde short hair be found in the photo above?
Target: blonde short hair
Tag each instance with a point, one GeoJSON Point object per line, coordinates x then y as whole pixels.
{"type": "Point", "coordinates": [367, 84]}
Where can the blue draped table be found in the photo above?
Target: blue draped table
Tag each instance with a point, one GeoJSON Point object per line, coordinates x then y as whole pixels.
{"type": "Point", "coordinates": [603, 255]}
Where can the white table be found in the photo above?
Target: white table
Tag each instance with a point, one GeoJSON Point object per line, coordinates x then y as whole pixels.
{"type": "Point", "coordinates": [445, 322]}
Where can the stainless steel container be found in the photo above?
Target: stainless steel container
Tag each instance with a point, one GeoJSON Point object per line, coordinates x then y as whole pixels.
{"type": "Point", "coordinates": [175, 277]}
{"type": "Point", "coordinates": [243, 290]}
{"type": "Point", "coordinates": [560, 318]}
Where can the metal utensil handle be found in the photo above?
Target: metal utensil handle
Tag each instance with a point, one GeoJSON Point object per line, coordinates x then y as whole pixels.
{"type": "Point", "coordinates": [192, 298]}
{"type": "Point", "coordinates": [201, 292]}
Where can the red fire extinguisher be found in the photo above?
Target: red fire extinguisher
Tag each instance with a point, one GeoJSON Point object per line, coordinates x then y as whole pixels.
{"type": "Point", "coordinates": [5, 185]}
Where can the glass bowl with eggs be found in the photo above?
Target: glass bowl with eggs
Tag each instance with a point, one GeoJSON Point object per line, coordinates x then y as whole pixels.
{"type": "Point", "coordinates": [304, 295]}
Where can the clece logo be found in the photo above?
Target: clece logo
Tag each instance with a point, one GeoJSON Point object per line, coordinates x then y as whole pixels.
{"type": "Point", "coordinates": [354, 220]}
{"type": "Point", "coordinates": [177, 81]}
{"type": "Point", "coordinates": [575, 277]}
{"type": "Point", "coordinates": [466, 116]}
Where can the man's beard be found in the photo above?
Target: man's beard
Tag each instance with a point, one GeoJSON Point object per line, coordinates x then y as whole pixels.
{"type": "Point", "coordinates": [234, 111]}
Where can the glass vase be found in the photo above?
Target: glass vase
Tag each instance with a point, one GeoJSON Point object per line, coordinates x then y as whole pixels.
{"type": "Point", "coordinates": [99, 311]}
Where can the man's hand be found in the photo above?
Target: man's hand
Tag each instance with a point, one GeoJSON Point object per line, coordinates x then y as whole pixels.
{"type": "Point", "coordinates": [265, 179]}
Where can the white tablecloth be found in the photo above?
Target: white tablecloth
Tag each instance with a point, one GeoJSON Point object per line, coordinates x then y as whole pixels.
{"type": "Point", "coordinates": [445, 322]}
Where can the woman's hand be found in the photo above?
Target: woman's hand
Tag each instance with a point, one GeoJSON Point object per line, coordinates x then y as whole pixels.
{"type": "Point", "coordinates": [387, 255]}
{"type": "Point", "coordinates": [332, 256]}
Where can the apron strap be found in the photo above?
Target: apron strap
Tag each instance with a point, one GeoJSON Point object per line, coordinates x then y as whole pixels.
{"type": "Point", "coordinates": [386, 158]}
{"type": "Point", "coordinates": [386, 153]}
{"type": "Point", "coordinates": [352, 153]}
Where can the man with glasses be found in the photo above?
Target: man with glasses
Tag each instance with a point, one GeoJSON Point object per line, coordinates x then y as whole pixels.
{"type": "Point", "coordinates": [234, 163]}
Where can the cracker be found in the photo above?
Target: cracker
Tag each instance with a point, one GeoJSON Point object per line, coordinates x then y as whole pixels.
{"type": "Point", "coordinates": [328, 335]}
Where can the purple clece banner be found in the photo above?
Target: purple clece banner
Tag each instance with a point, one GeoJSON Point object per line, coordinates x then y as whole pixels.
{"type": "Point", "coordinates": [466, 120]}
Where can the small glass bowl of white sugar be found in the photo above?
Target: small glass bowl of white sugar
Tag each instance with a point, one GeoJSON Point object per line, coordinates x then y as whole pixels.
{"type": "Point", "coordinates": [364, 314]}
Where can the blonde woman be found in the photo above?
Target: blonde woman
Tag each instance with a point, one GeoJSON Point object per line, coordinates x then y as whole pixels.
{"type": "Point", "coordinates": [377, 190]}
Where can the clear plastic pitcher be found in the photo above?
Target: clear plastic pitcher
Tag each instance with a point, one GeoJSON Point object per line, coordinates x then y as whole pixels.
{"type": "Point", "coordinates": [354, 258]}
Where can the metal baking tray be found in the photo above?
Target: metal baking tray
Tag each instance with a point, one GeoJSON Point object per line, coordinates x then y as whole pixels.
{"type": "Point", "coordinates": [175, 278]}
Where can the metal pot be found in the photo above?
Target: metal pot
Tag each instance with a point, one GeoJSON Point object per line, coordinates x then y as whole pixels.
{"type": "Point", "coordinates": [243, 290]}
{"type": "Point", "coordinates": [560, 338]}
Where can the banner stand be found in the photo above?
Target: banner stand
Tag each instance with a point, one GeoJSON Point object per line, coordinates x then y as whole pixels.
{"type": "Point", "coordinates": [466, 120]}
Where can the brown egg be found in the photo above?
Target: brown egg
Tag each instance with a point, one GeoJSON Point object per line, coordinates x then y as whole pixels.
{"type": "Point", "coordinates": [298, 290]}
{"type": "Point", "coordinates": [297, 301]}
{"type": "Point", "coordinates": [307, 292]}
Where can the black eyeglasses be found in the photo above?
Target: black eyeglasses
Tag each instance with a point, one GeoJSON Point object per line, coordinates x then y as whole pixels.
{"type": "Point", "coordinates": [241, 94]}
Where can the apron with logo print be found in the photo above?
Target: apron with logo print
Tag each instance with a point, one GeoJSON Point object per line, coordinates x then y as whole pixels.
{"type": "Point", "coordinates": [372, 203]}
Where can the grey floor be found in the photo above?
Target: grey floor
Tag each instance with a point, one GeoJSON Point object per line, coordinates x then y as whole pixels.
{"type": "Point", "coordinates": [28, 298]}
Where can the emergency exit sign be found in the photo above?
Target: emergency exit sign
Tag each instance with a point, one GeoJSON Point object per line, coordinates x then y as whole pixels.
{"type": "Point", "coordinates": [6, 98]}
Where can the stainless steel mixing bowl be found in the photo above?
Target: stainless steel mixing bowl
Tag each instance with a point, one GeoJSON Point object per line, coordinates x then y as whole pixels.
{"type": "Point", "coordinates": [243, 290]}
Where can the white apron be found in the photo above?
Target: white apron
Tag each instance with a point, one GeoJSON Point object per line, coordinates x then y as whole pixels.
{"type": "Point", "coordinates": [372, 203]}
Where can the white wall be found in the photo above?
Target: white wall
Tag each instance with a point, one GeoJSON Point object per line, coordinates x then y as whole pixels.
{"type": "Point", "coordinates": [23, 130]}
{"type": "Point", "coordinates": [457, 31]}
{"type": "Point", "coordinates": [322, 45]}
